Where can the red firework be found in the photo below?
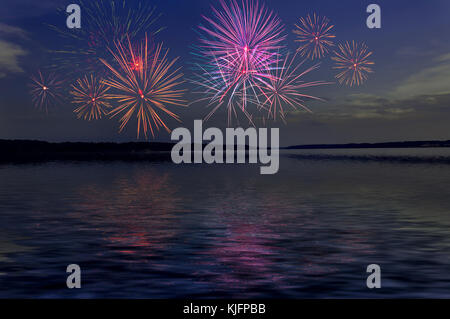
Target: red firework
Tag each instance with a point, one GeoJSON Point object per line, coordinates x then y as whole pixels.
{"type": "Point", "coordinates": [145, 90]}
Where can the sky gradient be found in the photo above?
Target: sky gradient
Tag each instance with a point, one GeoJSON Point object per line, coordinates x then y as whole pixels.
{"type": "Point", "coordinates": [406, 98]}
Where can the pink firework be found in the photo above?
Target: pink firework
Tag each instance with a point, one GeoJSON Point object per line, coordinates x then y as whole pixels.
{"type": "Point", "coordinates": [45, 91]}
{"type": "Point", "coordinates": [239, 48]}
{"type": "Point", "coordinates": [212, 84]}
{"type": "Point", "coordinates": [314, 35]}
{"type": "Point", "coordinates": [352, 60]}
{"type": "Point", "coordinates": [287, 89]}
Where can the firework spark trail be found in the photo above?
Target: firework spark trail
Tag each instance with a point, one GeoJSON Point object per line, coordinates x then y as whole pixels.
{"type": "Point", "coordinates": [109, 19]}
{"type": "Point", "coordinates": [90, 95]}
{"type": "Point", "coordinates": [46, 91]}
{"type": "Point", "coordinates": [145, 90]}
{"type": "Point", "coordinates": [314, 35]}
{"type": "Point", "coordinates": [105, 22]}
{"type": "Point", "coordinates": [211, 85]}
{"type": "Point", "coordinates": [240, 47]}
{"type": "Point", "coordinates": [353, 61]}
{"type": "Point", "coordinates": [286, 87]}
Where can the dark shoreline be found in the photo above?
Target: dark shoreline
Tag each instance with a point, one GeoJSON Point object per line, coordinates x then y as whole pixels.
{"type": "Point", "coordinates": [37, 151]}
{"type": "Point", "coordinates": [412, 144]}
{"type": "Point", "coordinates": [25, 151]}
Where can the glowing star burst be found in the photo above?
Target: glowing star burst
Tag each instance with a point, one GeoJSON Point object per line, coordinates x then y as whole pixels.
{"type": "Point", "coordinates": [314, 35]}
{"type": "Point", "coordinates": [239, 48]}
{"type": "Point", "coordinates": [287, 88]}
{"type": "Point", "coordinates": [352, 60]}
{"type": "Point", "coordinates": [89, 94]}
{"type": "Point", "coordinates": [45, 91]}
{"type": "Point", "coordinates": [145, 90]}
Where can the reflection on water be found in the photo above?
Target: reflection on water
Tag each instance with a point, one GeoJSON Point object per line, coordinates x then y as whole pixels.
{"type": "Point", "coordinates": [159, 230]}
{"type": "Point", "coordinates": [7, 247]}
{"type": "Point", "coordinates": [133, 212]}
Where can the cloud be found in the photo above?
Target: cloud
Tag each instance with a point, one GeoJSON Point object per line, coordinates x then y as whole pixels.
{"type": "Point", "coordinates": [412, 51]}
{"type": "Point", "coordinates": [8, 30]}
{"type": "Point", "coordinates": [426, 92]}
{"type": "Point", "coordinates": [9, 58]}
{"type": "Point", "coordinates": [369, 106]}
{"type": "Point", "coordinates": [431, 80]}
{"type": "Point", "coordinates": [9, 51]}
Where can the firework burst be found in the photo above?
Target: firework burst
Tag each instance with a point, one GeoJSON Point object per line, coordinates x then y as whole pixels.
{"type": "Point", "coordinates": [314, 35]}
{"type": "Point", "coordinates": [89, 94]}
{"type": "Point", "coordinates": [211, 85]}
{"type": "Point", "coordinates": [46, 91]}
{"type": "Point", "coordinates": [286, 88]}
{"type": "Point", "coordinates": [239, 48]}
{"type": "Point", "coordinates": [145, 90]}
{"type": "Point", "coordinates": [352, 60]}
{"type": "Point", "coordinates": [105, 22]}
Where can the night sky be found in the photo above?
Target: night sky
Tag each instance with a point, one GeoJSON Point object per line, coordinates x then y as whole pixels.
{"type": "Point", "coordinates": [407, 98]}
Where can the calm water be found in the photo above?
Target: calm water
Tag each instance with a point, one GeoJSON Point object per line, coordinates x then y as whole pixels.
{"type": "Point", "coordinates": [156, 230]}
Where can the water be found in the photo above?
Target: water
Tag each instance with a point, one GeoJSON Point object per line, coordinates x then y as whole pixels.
{"type": "Point", "coordinates": [156, 230]}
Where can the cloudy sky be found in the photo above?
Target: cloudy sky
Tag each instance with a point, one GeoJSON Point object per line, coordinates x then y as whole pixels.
{"type": "Point", "coordinates": [406, 98]}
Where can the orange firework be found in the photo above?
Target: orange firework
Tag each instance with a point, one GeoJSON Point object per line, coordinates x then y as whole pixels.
{"type": "Point", "coordinates": [146, 88]}
{"type": "Point", "coordinates": [45, 91]}
{"type": "Point", "coordinates": [353, 61]}
{"type": "Point", "coordinates": [314, 36]}
{"type": "Point", "coordinates": [90, 96]}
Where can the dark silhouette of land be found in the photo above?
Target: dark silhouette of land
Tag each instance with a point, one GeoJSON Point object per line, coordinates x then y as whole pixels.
{"type": "Point", "coordinates": [414, 144]}
{"type": "Point", "coordinates": [31, 151]}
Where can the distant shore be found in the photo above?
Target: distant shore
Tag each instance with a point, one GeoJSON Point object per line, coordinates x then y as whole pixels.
{"type": "Point", "coordinates": [28, 150]}
{"type": "Point", "coordinates": [410, 144]}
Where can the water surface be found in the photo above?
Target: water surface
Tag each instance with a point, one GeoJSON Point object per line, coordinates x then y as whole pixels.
{"type": "Point", "coordinates": [157, 230]}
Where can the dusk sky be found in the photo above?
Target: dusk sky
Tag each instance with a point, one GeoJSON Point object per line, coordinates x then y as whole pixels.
{"type": "Point", "coordinates": [406, 98]}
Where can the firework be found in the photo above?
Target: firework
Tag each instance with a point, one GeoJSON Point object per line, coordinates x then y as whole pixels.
{"type": "Point", "coordinates": [145, 90]}
{"type": "Point", "coordinates": [239, 48]}
{"type": "Point", "coordinates": [89, 94]}
{"type": "Point", "coordinates": [314, 35]}
{"type": "Point", "coordinates": [352, 60]}
{"type": "Point", "coordinates": [211, 85]}
{"type": "Point", "coordinates": [45, 90]}
{"type": "Point", "coordinates": [286, 88]}
{"type": "Point", "coordinates": [104, 23]}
